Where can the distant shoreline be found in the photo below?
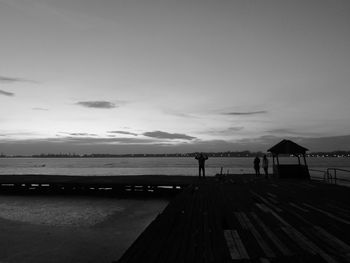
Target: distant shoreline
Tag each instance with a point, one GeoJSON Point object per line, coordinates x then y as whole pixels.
{"type": "Point", "coordinates": [212, 155]}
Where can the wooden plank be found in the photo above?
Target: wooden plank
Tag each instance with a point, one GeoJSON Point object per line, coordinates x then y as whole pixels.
{"type": "Point", "coordinates": [234, 253]}
{"type": "Point", "coordinates": [272, 195]}
{"type": "Point", "coordinates": [187, 228]}
{"type": "Point", "coordinates": [268, 203]}
{"type": "Point", "coordinates": [263, 207]}
{"type": "Point", "coordinates": [340, 209]}
{"type": "Point", "coordinates": [216, 216]}
{"type": "Point", "coordinates": [328, 214]}
{"type": "Point", "coordinates": [298, 207]}
{"type": "Point", "coordinates": [306, 244]}
{"type": "Point", "coordinates": [239, 244]}
{"type": "Point", "coordinates": [338, 245]}
{"type": "Point", "coordinates": [167, 252]}
{"type": "Point", "coordinates": [276, 241]}
{"type": "Point", "coordinates": [273, 200]}
{"type": "Point", "coordinates": [246, 223]}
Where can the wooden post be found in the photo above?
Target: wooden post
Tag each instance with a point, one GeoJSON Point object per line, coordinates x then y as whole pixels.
{"type": "Point", "coordinates": [304, 159]}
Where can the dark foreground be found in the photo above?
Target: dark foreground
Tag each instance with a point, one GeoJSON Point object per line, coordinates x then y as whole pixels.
{"type": "Point", "coordinates": [249, 220]}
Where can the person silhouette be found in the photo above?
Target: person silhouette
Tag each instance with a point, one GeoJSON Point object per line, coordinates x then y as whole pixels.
{"type": "Point", "coordinates": [201, 163]}
{"type": "Point", "coordinates": [257, 165]}
{"type": "Point", "coordinates": [265, 165]}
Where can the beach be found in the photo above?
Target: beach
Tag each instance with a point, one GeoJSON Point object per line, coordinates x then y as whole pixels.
{"type": "Point", "coordinates": [38, 228]}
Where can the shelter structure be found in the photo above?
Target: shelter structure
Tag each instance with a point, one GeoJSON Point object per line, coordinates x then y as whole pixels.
{"type": "Point", "coordinates": [288, 147]}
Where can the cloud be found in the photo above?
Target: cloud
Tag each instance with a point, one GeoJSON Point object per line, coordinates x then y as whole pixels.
{"type": "Point", "coordinates": [82, 134]}
{"type": "Point", "coordinates": [179, 114]}
{"type": "Point", "coordinates": [285, 132]}
{"type": "Point", "coordinates": [109, 140]}
{"type": "Point", "coordinates": [124, 132]}
{"type": "Point", "coordinates": [97, 104]}
{"type": "Point", "coordinates": [245, 113]}
{"type": "Point", "coordinates": [19, 134]}
{"type": "Point", "coordinates": [228, 131]}
{"type": "Point", "coordinates": [78, 134]}
{"type": "Point", "coordinates": [166, 135]}
{"type": "Point", "coordinates": [40, 109]}
{"type": "Point", "coordinates": [264, 140]}
{"type": "Point", "coordinates": [12, 80]}
{"type": "Point", "coordinates": [6, 93]}
{"type": "Point", "coordinates": [233, 129]}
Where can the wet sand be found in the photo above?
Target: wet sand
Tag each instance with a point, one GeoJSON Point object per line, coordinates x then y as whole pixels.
{"type": "Point", "coordinates": [71, 229]}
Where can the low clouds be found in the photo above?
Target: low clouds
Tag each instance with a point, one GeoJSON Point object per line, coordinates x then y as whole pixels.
{"type": "Point", "coordinates": [92, 141]}
{"type": "Point", "coordinates": [228, 131]}
{"type": "Point", "coordinates": [291, 132]}
{"type": "Point", "coordinates": [124, 132]}
{"type": "Point", "coordinates": [236, 113]}
{"type": "Point", "coordinates": [158, 135]}
{"type": "Point", "coordinates": [179, 114]}
{"type": "Point", "coordinates": [40, 109]}
{"type": "Point", "coordinates": [100, 104]}
{"type": "Point", "coordinates": [82, 134]}
{"type": "Point", "coordinates": [5, 79]}
{"type": "Point", "coordinates": [154, 136]}
{"type": "Point", "coordinates": [76, 134]}
{"type": "Point", "coordinates": [166, 135]}
{"type": "Point", "coordinates": [6, 93]}
{"type": "Point", "coordinates": [233, 129]}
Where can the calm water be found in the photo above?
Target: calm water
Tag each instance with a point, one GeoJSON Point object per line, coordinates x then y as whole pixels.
{"type": "Point", "coordinates": [138, 166]}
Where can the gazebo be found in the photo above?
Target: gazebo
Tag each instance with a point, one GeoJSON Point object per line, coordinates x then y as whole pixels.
{"type": "Point", "coordinates": [289, 170]}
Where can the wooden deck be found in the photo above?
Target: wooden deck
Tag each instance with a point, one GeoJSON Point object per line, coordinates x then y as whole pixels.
{"type": "Point", "coordinates": [249, 220]}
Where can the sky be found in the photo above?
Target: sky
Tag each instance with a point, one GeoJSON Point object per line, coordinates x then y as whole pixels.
{"type": "Point", "coordinates": [151, 76]}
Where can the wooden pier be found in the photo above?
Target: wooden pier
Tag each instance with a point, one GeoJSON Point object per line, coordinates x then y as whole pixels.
{"type": "Point", "coordinates": [247, 219]}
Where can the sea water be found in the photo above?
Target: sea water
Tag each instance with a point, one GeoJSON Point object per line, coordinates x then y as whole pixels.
{"type": "Point", "coordinates": [62, 228]}
{"type": "Point", "coordinates": [150, 165]}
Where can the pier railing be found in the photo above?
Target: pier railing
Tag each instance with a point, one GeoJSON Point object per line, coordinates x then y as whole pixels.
{"type": "Point", "coordinates": [321, 174]}
{"type": "Point", "coordinates": [331, 175]}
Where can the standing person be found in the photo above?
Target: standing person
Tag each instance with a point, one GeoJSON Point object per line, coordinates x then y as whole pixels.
{"type": "Point", "coordinates": [257, 165]}
{"type": "Point", "coordinates": [201, 162]}
{"type": "Point", "coordinates": [265, 165]}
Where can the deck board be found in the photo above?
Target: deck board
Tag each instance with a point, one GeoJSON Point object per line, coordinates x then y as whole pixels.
{"type": "Point", "coordinates": [247, 219]}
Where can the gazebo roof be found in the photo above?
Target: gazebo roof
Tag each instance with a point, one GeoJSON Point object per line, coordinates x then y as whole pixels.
{"type": "Point", "coordinates": [287, 147]}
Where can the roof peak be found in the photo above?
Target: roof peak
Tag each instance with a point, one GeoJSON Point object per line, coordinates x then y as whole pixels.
{"type": "Point", "coordinates": [287, 147]}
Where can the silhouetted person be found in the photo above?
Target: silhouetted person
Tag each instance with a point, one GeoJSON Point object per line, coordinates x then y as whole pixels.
{"type": "Point", "coordinates": [265, 165]}
{"type": "Point", "coordinates": [201, 162]}
{"type": "Point", "coordinates": [257, 166]}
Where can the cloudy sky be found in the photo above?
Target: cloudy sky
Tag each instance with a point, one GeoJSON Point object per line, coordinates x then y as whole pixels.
{"type": "Point", "coordinates": [173, 75]}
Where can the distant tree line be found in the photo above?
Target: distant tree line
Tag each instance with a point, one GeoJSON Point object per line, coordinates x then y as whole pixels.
{"type": "Point", "coordinates": [136, 155]}
{"type": "Point", "coordinates": [330, 154]}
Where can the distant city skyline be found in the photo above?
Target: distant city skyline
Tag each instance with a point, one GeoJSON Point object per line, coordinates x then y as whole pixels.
{"type": "Point", "coordinates": [151, 76]}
